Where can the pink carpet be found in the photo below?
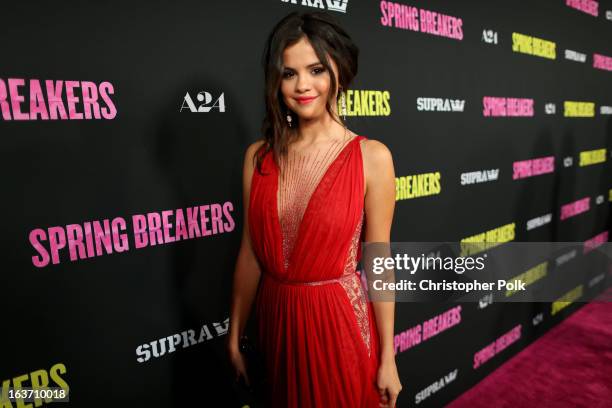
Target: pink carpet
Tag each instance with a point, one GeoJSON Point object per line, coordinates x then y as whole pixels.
{"type": "Point", "coordinates": [569, 366]}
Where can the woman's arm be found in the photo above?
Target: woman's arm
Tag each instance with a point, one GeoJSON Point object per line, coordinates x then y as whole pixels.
{"type": "Point", "coordinates": [247, 271]}
{"type": "Point", "coordinates": [379, 207]}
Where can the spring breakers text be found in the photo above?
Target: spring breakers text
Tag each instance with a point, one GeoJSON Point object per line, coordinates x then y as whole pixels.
{"type": "Point", "coordinates": [55, 100]}
{"type": "Point", "coordinates": [100, 237]}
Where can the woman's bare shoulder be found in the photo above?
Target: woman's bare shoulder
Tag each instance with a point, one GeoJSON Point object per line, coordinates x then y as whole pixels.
{"type": "Point", "coordinates": [252, 149]}
{"type": "Point", "coordinates": [375, 153]}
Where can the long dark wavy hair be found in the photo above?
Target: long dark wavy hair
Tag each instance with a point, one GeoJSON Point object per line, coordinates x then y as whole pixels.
{"type": "Point", "coordinates": [327, 37]}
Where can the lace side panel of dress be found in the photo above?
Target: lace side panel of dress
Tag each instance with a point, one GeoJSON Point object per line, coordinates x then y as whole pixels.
{"type": "Point", "coordinates": [354, 289]}
{"type": "Point", "coordinates": [299, 176]}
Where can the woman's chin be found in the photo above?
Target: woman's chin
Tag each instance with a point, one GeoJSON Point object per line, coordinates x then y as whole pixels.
{"type": "Point", "coordinates": [308, 115]}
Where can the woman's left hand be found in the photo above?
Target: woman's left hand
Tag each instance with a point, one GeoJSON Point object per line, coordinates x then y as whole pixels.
{"type": "Point", "coordinates": [388, 383]}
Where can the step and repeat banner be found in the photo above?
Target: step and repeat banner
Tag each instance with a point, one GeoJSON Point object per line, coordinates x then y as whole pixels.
{"type": "Point", "coordinates": [124, 127]}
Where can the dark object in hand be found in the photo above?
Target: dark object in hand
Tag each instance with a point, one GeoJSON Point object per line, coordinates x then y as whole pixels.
{"type": "Point", "coordinates": [254, 395]}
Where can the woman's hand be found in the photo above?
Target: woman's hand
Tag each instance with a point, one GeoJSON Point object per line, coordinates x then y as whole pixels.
{"type": "Point", "coordinates": [237, 362]}
{"type": "Point", "coordinates": [388, 384]}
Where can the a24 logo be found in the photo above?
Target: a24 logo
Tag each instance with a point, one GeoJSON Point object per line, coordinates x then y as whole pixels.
{"type": "Point", "coordinates": [205, 99]}
{"type": "Point", "coordinates": [489, 36]}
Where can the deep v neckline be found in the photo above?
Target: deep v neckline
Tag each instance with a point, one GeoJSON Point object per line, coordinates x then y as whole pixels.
{"type": "Point", "coordinates": [308, 205]}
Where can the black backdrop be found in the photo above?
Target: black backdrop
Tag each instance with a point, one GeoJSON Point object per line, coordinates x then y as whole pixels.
{"type": "Point", "coordinates": [98, 323]}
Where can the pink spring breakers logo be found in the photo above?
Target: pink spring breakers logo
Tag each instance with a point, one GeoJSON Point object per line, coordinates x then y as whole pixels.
{"type": "Point", "coordinates": [31, 99]}
{"type": "Point", "coordinates": [575, 208]}
{"type": "Point", "coordinates": [533, 167]}
{"type": "Point", "coordinates": [586, 6]}
{"type": "Point", "coordinates": [411, 18]}
{"type": "Point", "coordinates": [597, 240]}
{"type": "Point", "coordinates": [602, 62]}
{"type": "Point", "coordinates": [98, 238]}
{"type": "Point", "coordinates": [496, 347]}
{"type": "Point", "coordinates": [426, 330]}
{"type": "Point", "coordinates": [500, 106]}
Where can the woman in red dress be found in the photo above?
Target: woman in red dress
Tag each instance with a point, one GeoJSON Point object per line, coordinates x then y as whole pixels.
{"type": "Point", "coordinates": [313, 190]}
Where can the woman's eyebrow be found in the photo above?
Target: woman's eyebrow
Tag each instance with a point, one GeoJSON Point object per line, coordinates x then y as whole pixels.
{"type": "Point", "coordinates": [308, 66]}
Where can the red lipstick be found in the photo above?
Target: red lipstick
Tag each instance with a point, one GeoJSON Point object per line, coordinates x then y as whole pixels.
{"type": "Point", "coordinates": [303, 100]}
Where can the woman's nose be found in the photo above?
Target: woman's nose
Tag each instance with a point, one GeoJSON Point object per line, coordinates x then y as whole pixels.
{"type": "Point", "coordinates": [302, 84]}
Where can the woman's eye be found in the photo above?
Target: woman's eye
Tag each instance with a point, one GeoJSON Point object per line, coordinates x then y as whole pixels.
{"type": "Point", "coordinates": [316, 71]}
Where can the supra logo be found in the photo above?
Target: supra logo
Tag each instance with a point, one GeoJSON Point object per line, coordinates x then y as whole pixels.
{"type": "Point", "coordinates": [178, 341]}
{"type": "Point", "coordinates": [539, 221]}
{"type": "Point", "coordinates": [609, 14]}
{"type": "Point", "coordinates": [596, 280]}
{"type": "Point", "coordinates": [550, 108]}
{"type": "Point", "coordinates": [332, 5]}
{"type": "Point", "coordinates": [479, 176]}
{"type": "Point", "coordinates": [436, 386]}
{"type": "Point", "coordinates": [599, 199]}
{"type": "Point", "coordinates": [568, 161]}
{"type": "Point", "coordinates": [489, 36]}
{"type": "Point", "coordinates": [440, 104]}
{"type": "Point", "coordinates": [560, 260]}
{"type": "Point", "coordinates": [206, 98]}
{"type": "Point", "coordinates": [575, 56]}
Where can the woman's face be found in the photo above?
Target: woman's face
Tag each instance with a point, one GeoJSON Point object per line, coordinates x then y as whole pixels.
{"type": "Point", "coordinates": [305, 77]}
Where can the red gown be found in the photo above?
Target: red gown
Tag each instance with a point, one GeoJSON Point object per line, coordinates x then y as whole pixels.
{"type": "Point", "coordinates": [316, 328]}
